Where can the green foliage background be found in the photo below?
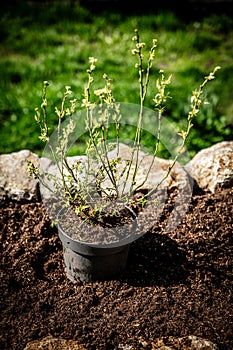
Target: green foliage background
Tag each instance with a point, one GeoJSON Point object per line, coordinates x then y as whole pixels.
{"type": "Point", "coordinates": [54, 41]}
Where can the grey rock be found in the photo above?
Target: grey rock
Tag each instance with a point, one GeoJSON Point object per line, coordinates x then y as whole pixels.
{"type": "Point", "coordinates": [212, 167]}
{"type": "Point", "coordinates": [164, 343]}
{"type": "Point", "coordinates": [48, 166]}
{"type": "Point", "coordinates": [178, 176]}
{"type": "Point", "coordinates": [190, 342]}
{"type": "Point", "coordinates": [15, 182]}
{"type": "Point", "coordinates": [50, 343]}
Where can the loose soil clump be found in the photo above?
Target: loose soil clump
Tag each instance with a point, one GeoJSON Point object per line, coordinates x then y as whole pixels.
{"type": "Point", "coordinates": [176, 283]}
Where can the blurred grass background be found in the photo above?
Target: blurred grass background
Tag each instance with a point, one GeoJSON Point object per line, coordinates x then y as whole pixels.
{"type": "Point", "coordinates": [53, 41]}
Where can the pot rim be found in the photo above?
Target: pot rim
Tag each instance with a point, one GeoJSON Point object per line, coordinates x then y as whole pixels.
{"type": "Point", "coordinates": [72, 242]}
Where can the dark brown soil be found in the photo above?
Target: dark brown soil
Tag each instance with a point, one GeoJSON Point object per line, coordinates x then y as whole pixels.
{"type": "Point", "coordinates": [175, 284]}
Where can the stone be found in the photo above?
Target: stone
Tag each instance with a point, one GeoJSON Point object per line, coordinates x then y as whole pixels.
{"type": "Point", "coordinates": [212, 167]}
{"type": "Point", "coordinates": [50, 343]}
{"type": "Point", "coordinates": [15, 183]}
{"type": "Point", "coordinates": [178, 176]}
{"type": "Point", "coordinates": [190, 342]}
{"type": "Point", "coordinates": [48, 166]}
{"type": "Point", "coordinates": [164, 343]}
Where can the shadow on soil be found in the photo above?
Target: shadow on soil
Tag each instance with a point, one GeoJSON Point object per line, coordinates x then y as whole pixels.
{"type": "Point", "coordinates": [154, 260]}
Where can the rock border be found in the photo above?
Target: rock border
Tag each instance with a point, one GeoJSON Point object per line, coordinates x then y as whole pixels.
{"type": "Point", "coordinates": [211, 168]}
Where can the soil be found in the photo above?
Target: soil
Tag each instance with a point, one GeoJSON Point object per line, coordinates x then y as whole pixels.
{"type": "Point", "coordinates": [176, 283]}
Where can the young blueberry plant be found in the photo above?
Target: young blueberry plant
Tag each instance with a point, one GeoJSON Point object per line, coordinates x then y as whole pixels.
{"type": "Point", "coordinates": [91, 187]}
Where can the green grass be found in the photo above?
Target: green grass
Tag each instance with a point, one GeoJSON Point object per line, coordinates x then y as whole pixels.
{"type": "Point", "coordinates": [54, 43]}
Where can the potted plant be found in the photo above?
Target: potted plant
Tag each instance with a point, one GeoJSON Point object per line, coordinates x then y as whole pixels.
{"type": "Point", "coordinates": [97, 200]}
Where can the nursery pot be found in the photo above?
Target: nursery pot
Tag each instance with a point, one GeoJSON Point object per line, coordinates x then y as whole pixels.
{"type": "Point", "coordinates": [90, 262]}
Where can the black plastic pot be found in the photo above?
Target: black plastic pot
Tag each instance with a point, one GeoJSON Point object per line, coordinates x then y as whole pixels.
{"type": "Point", "coordinates": [90, 262]}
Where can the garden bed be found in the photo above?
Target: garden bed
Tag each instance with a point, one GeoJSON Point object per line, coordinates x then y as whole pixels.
{"type": "Point", "coordinates": [175, 284]}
